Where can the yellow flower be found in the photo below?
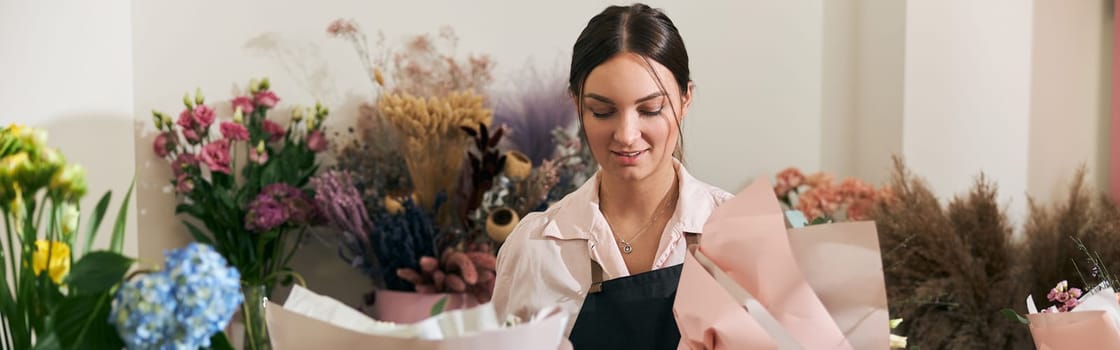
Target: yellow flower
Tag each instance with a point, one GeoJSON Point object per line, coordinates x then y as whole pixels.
{"type": "Point", "coordinates": [59, 260]}
{"type": "Point", "coordinates": [17, 209]}
{"type": "Point", "coordinates": [13, 164]}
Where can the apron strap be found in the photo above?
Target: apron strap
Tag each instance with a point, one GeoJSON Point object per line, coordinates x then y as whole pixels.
{"type": "Point", "coordinates": [691, 239]}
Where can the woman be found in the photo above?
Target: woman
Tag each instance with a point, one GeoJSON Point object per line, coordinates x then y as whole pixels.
{"type": "Point", "coordinates": [628, 226]}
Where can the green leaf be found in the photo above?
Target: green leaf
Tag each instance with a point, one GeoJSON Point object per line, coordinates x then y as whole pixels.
{"type": "Point", "coordinates": [219, 341]}
{"type": "Point", "coordinates": [1015, 316]}
{"type": "Point", "coordinates": [97, 272]}
{"type": "Point", "coordinates": [438, 307]}
{"type": "Point", "coordinates": [198, 234]}
{"type": "Point", "coordinates": [117, 244]}
{"type": "Point", "coordinates": [820, 220]}
{"type": "Point", "coordinates": [50, 342]}
{"type": "Point", "coordinates": [95, 220]}
{"type": "Point", "coordinates": [83, 321]}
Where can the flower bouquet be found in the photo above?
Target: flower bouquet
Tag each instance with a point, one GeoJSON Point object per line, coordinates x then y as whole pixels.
{"type": "Point", "coordinates": [243, 187]}
{"type": "Point", "coordinates": [818, 200]}
{"type": "Point", "coordinates": [435, 178]}
{"type": "Point", "coordinates": [45, 301]}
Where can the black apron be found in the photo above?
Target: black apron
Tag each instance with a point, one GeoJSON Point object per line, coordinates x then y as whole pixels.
{"type": "Point", "coordinates": [632, 312]}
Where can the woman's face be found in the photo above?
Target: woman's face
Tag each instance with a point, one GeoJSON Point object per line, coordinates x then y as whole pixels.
{"type": "Point", "coordinates": [630, 123]}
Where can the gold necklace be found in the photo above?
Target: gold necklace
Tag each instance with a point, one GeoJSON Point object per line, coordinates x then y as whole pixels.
{"type": "Point", "coordinates": [657, 215]}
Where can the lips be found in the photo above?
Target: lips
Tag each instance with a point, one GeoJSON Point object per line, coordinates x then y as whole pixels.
{"type": "Point", "coordinates": [628, 158]}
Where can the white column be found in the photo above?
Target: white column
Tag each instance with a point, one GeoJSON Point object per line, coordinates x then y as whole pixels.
{"type": "Point", "coordinates": [967, 95]}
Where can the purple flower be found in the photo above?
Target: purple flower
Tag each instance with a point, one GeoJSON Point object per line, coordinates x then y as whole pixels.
{"type": "Point", "coordinates": [277, 204]}
{"type": "Point", "coordinates": [265, 213]}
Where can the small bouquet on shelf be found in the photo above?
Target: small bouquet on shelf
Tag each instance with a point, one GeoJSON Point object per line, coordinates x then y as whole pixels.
{"type": "Point", "coordinates": [435, 177]}
{"type": "Point", "coordinates": [244, 187]}
{"type": "Point", "coordinates": [819, 200]}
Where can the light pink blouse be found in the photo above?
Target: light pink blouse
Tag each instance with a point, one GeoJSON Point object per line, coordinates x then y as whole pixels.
{"type": "Point", "coordinates": [547, 259]}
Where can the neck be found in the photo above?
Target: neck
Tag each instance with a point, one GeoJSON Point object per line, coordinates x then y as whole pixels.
{"type": "Point", "coordinates": [636, 199]}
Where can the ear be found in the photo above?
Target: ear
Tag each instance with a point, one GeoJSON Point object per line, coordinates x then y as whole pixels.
{"type": "Point", "coordinates": [686, 99]}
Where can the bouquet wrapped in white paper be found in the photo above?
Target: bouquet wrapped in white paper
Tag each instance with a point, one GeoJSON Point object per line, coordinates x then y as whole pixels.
{"type": "Point", "coordinates": [311, 321]}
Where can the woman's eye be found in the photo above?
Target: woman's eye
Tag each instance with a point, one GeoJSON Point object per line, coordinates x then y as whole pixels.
{"type": "Point", "coordinates": [601, 114]}
{"type": "Point", "coordinates": [651, 113]}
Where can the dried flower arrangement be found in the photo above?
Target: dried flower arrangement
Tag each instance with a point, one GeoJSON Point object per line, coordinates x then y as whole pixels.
{"type": "Point", "coordinates": [427, 191]}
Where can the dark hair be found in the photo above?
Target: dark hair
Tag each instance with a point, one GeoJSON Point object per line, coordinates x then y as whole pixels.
{"type": "Point", "coordinates": [637, 29]}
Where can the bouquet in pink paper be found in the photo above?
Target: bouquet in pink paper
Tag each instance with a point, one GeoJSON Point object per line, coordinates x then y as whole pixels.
{"type": "Point", "coordinates": [753, 283]}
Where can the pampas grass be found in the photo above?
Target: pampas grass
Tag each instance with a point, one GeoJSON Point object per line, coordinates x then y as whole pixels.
{"type": "Point", "coordinates": [1052, 255]}
{"type": "Point", "coordinates": [949, 270]}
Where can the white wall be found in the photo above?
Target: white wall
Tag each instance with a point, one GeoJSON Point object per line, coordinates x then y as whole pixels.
{"type": "Point", "coordinates": [67, 66]}
{"type": "Point", "coordinates": [967, 91]}
{"type": "Point", "coordinates": [757, 65]}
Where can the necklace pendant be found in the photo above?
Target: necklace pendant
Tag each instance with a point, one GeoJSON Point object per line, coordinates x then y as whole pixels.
{"type": "Point", "coordinates": [626, 248]}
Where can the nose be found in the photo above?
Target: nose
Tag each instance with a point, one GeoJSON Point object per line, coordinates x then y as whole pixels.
{"type": "Point", "coordinates": [628, 130]}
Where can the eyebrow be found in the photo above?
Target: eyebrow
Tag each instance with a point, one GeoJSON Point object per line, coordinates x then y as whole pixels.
{"type": "Point", "coordinates": [606, 100]}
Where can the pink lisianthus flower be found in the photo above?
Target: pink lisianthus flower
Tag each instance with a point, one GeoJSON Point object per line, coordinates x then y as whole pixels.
{"type": "Point", "coordinates": [234, 131]}
{"type": "Point", "coordinates": [186, 120]}
{"type": "Point", "coordinates": [216, 156]}
{"type": "Point", "coordinates": [203, 116]}
{"type": "Point", "coordinates": [316, 142]}
{"type": "Point", "coordinates": [275, 131]}
{"type": "Point", "coordinates": [183, 162]}
{"type": "Point", "coordinates": [265, 98]}
{"type": "Point", "coordinates": [192, 136]}
{"type": "Point", "coordinates": [163, 144]}
{"type": "Point", "coordinates": [258, 157]}
{"type": "Point", "coordinates": [243, 102]}
{"type": "Point", "coordinates": [183, 183]}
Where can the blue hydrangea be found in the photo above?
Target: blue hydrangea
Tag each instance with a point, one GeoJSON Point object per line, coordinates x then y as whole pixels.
{"type": "Point", "coordinates": [180, 307]}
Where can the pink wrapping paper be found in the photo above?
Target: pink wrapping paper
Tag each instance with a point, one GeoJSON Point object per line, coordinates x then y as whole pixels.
{"type": "Point", "coordinates": [822, 284]}
{"type": "Point", "coordinates": [1074, 330]}
{"type": "Point", "coordinates": [709, 318]}
{"type": "Point", "coordinates": [843, 265]}
{"type": "Point", "coordinates": [290, 331]}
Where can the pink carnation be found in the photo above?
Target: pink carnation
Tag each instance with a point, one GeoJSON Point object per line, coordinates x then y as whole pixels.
{"type": "Point", "coordinates": [275, 131]}
{"type": "Point", "coordinates": [204, 116]}
{"type": "Point", "coordinates": [163, 144]}
{"type": "Point", "coordinates": [266, 99]}
{"type": "Point", "coordinates": [316, 142]}
{"type": "Point", "coordinates": [234, 131]}
{"type": "Point", "coordinates": [243, 102]}
{"type": "Point", "coordinates": [216, 156]}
